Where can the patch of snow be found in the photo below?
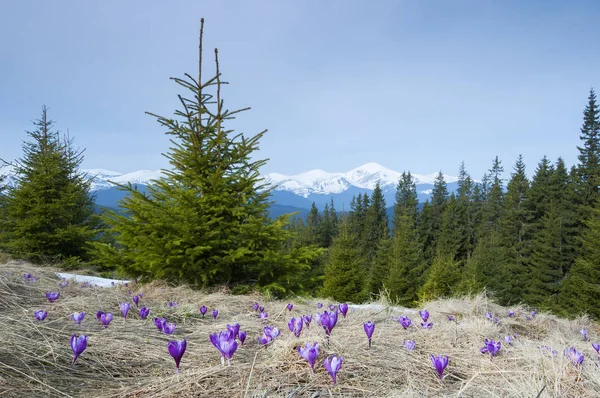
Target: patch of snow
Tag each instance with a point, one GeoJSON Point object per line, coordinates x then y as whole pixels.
{"type": "Point", "coordinates": [92, 280]}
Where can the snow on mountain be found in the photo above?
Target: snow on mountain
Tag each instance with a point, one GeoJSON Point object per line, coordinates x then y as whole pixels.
{"type": "Point", "coordinates": [303, 184]}
{"type": "Point", "coordinates": [365, 177]}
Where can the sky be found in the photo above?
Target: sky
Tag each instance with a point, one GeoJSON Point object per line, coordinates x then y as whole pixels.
{"type": "Point", "coordinates": [411, 85]}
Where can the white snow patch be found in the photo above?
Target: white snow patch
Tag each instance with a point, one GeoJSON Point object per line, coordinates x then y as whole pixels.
{"type": "Point", "coordinates": [92, 280]}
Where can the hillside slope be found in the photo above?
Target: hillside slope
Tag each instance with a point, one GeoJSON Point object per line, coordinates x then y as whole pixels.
{"type": "Point", "coordinates": [130, 358]}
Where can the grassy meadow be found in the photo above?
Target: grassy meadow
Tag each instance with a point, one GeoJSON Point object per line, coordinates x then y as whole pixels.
{"type": "Point", "coordinates": [129, 358]}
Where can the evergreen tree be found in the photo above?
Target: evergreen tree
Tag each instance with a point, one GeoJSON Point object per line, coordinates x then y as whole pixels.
{"type": "Point", "coordinates": [406, 199]}
{"type": "Point", "coordinates": [493, 197]}
{"type": "Point", "coordinates": [432, 216]}
{"type": "Point", "coordinates": [48, 214]}
{"type": "Point", "coordinates": [206, 221]}
{"type": "Point", "coordinates": [540, 191]}
{"type": "Point", "coordinates": [465, 212]}
{"type": "Point", "coordinates": [445, 271]}
{"type": "Point", "coordinates": [406, 266]}
{"type": "Point", "coordinates": [554, 241]}
{"type": "Point", "coordinates": [344, 272]}
{"type": "Point", "coordinates": [313, 225]}
{"type": "Point", "coordinates": [588, 169]}
{"type": "Point", "coordinates": [380, 265]}
{"type": "Point", "coordinates": [334, 219]}
{"type": "Point", "coordinates": [581, 290]}
{"type": "Point", "coordinates": [515, 230]}
{"type": "Point", "coordinates": [376, 223]}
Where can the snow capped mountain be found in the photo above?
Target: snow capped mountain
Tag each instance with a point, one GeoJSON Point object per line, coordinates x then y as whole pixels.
{"type": "Point", "coordinates": [366, 177]}
{"type": "Point", "coordinates": [313, 182]}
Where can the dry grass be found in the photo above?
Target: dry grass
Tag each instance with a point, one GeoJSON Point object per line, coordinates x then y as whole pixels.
{"type": "Point", "coordinates": [130, 358]}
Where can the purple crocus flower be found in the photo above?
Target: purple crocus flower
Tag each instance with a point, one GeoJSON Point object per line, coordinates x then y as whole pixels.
{"type": "Point", "coordinates": [235, 329]}
{"type": "Point", "coordinates": [106, 319]}
{"type": "Point", "coordinates": [78, 345]}
{"type": "Point", "coordinates": [307, 320]}
{"type": "Point", "coordinates": [533, 313]}
{"type": "Point", "coordinates": [426, 325]}
{"type": "Point", "coordinates": [343, 309]}
{"type": "Point", "coordinates": [295, 326]}
{"type": "Point", "coordinates": [29, 278]}
{"type": "Point", "coordinates": [52, 296]}
{"type": "Point", "coordinates": [264, 340]}
{"type": "Point", "coordinates": [333, 365]}
{"type": "Point", "coordinates": [255, 306]}
{"type": "Point", "coordinates": [140, 294]}
{"type": "Point", "coordinates": [99, 314]}
{"type": "Point", "coordinates": [310, 352]}
{"type": "Point", "coordinates": [409, 345]}
{"type": "Point", "coordinates": [508, 339]}
{"type": "Point", "coordinates": [596, 347]}
{"type": "Point", "coordinates": [144, 312]}
{"type": "Point", "coordinates": [203, 310]}
{"type": "Point", "coordinates": [40, 315]}
{"type": "Point", "coordinates": [511, 313]}
{"type": "Point", "coordinates": [489, 315]}
{"type": "Point", "coordinates": [136, 300]}
{"type": "Point", "coordinates": [63, 283]}
{"type": "Point", "coordinates": [261, 309]}
{"type": "Point", "coordinates": [369, 329]}
{"type": "Point", "coordinates": [271, 331]}
{"type": "Point", "coordinates": [290, 306]}
{"type": "Point", "coordinates": [225, 343]}
{"type": "Point", "coordinates": [125, 309]}
{"type": "Point", "coordinates": [404, 321]}
{"type": "Point", "coordinates": [439, 363]}
{"type": "Point", "coordinates": [319, 305]}
{"type": "Point", "coordinates": [575, 356]}
{"type": "Point", "coordinates": [263, 315]}
{"type": "Point", "coordinates": [215, 313]}
{"type": "Point", "coordinates": [160, 323]}
{"type": "Point", "coordinates": [328, 321]}
{"type": "Point", "coordinates": [172, 304]}
{"type": "Point", "coordinates": [169, 328]}
{"type": "Point", "coordinates": [424, 315]}
{"type": "Point", "coordinates": [242, 336]}
{"type": "Point", "coordinates": [177, 349]}
{"type": "Point", "coordinates": [584, 334]}
{"type": "Point", "coordinates": [451, 317]}
{"type": "Point", "coordinates": [78, 317]}
{"type": "Point", "coordinates": [491, 347]}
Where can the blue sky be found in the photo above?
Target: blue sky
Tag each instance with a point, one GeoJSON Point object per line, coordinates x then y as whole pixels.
{"type": "Point", "coordinates": [412, 85]}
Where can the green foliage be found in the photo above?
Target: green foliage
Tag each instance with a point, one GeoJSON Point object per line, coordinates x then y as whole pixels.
{"type": "Point", "coordinates": [581, 289]}
{"type": "Point", "coordinates": [48, 215]}
{"type": "Point", "coordinates": [205, 222]}
{"type": "Point", "coordinates": [345, 269]}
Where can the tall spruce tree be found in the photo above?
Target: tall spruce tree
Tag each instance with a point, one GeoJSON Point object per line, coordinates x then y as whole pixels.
{"type": "Point", "coordinates": [345, 268]}
{"type": "Point", "coordinates": [376, 222]}
{"type": "Point", "coordinates": [406, 199]}
{"type": "Point", "coordinates": [432, 217]}
{"type": "Point", "coordinates": [580, 291]}
{"type": "Point", "coordinates": [48, 214]}
{"type": "Point", "coordinates": [515, 231]}
{"type": "Point", "coordinates": [588, 169]}
{"type": "Point", "coordinates": [206, 222]}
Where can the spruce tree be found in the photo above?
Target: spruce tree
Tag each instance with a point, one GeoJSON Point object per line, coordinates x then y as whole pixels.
{"type": "Point", "coordinates": [376, 223]}
{"type": "Point", "coordinates": [406, 264]}
{"type": "Point", "coordinates": [406, 199]}
{"type": "Point", "coordinates": [431, 219]}
{"type": "Point", "coordinates": [313, 225]}
{"type": "Point", "coordinates": [445, 271]}
{"type": "Point", "coordinates": [588, 169]}
{"type": "Point", "coordinates": [515, 230]}
{"type": "Point", "coordinates": [48, 214]}
{"type": "Point", "coordinates": [580, 291]}
{"type": "Point", "coordinates": [465, 211]}
{"type": "Point", "coordinates": [206, 221]}
{"type": "Point", "coordinates": [345, 270]}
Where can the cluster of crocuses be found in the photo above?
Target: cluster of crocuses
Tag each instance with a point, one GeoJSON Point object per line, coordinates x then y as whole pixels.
{"type": "Point", "coordinates": [225, 341]}
{"type": "Point", "coordinates": [310, 352]}
{"type": "Point", "coordinates": [162, 325]}
{"type": "Point", "coordinates": [270, 333]}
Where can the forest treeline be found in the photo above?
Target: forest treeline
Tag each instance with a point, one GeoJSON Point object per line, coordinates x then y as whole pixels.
{"type": "Point", "coordinates": [206, 222]}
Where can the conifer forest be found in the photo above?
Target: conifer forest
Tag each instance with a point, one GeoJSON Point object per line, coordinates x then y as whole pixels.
{"type": "Point", "coordinates": [532, 240]}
